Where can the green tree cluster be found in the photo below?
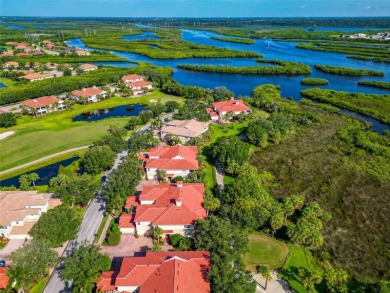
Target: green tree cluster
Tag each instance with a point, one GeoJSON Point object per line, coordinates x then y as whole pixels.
{"type": "Point", "coordinates": [26, 180]}
{"type": "Point", "coordinates": [230, 149]}
{"type": "Point", "coordinates": [113, 234]}
{"type": "Point", "coordinates": [7, 120]}
{"type": "Point", "coordinates": [98, 159]}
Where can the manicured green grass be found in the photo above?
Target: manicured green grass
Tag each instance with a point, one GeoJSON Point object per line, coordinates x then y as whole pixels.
{"type": "Point", "coordinates": [264, 250]}
{"type": "Point", "coordinates": [299, 257]}
{"type": "Point", "coordinates": [227, 179]}
{"type": "Point", "coordinates": [38, 288]}
{"type": "Point", "coordinates": [39, 137]}
{"type": "Point", "coordinates": [42, 164]}
{"type": "Point", "coordinates": [7, 81]}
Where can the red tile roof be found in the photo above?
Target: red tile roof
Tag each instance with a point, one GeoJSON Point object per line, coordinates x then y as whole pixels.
{"type": "Point", "coordinates": [106, 281]}
{"type": "Point", "coordinates": [88, 67]}
{"type": "Point", "coordinates": [164, 272]}
{"type": "Point", "coordinates": [173, 158]}
{"type": "Point", "coordinates": [140, 83]}
{"type": "Point", "coordinates": [87, 92]}
{"type": "Point", "coordinates": [164, 211]}
{"type": "Point", "coordinates": [131, 77]}
{"type": "Point", "coordinates": [40, 102]}
{"type": "Point", "coordinates": [126, 221]}
{"type": "Point", "coordinates": [11, 63]}
{"type": "Point", "coordinates": [3, 278]}
{"type": "Point", "coordinates": [33, 76]}
{"type": "Point", "coordinates": [22, 54]}
{"type": "Point", "coordinates": [231, 105]}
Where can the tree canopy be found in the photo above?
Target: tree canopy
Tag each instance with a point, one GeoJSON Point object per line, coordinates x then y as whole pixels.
{"type": "Point", "coordinates": [98, 159]}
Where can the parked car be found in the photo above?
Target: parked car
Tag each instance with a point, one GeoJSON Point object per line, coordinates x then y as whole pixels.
{"type": "Point", "coordinates": [2, 263]}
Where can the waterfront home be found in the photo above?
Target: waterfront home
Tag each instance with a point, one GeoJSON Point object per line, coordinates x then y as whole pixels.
{"type": "Point", "coordinates": [163, 272]}
{"type": "Point", "coordinates": [172, 207]}
{"type": "Point", "coordinates": [91, 94]}
{"type": "Point", "coordinates": [82, 52]}
{"type": "Point", "coordinates": [11, 64]}
{"type": "Point", "coordinates": [4, 279]}
{"type": "Point", "coordinates": [184, 129]}
{"type": "Point", "coordinates": [20, 210]}
{"type": "Point", "coordinates": [43, 105]}
{"type": "Point", "coordinates": [132, 78]}
{"type": "Point", "coordinates": [219, 109]}
{"type": "Point", "coordinates": [37, 76]}
{"type": "Point", "coordinates": [17, 44]}
{"type": "Point", "coordinates": [88, 67]}
{"type": "Point", "coordinates": [170, 161]}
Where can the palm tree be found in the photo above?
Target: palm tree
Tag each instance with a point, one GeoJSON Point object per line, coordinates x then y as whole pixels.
{"type": "Point", "coordinates": [15, 279]}
{"type": "Point", "coordinates": [34, 177]}
{"type": "Point", "coordinates": [264, 271]}
{"type": "Point", "coordinates": [34, 112]}
{"type": "Point", "coordinates": [47, 107]}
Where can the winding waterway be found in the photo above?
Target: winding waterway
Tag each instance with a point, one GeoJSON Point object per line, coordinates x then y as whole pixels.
{"type": "Point", "coordinates": [243, 84]}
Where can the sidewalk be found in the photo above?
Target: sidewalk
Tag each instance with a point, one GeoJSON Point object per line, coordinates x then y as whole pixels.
{"type": "Point", "coordinates": [104, 232]}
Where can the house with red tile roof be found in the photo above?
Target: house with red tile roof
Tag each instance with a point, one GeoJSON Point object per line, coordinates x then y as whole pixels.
{"type": "Point", "coordinates": [175, 161]}
{"type": "Point", "coordinates": [44, 104]}
{"type": "Point", "coordinates": [22, 54]}
{"type": "Point", "coordinates": [90, 93]}
{"type": "Point", "coordinates": [137, 83]}
{"type": "Point", "coordinates": [37, 76]}
{"type": "Point", "coordinates": [219, 109]}
{"type": "Point", "coordinates": [3, 278]}
{"type": "Point", "coordinates": [172, 207]}
{"type": "Point", "coordinates": [162, 272]}
{"type": "Point", "coordinates": [10, 64]}
{"type": "Point", "coordinates": [88, 67]}
{"type": "Point", "coordinates": [82, 52]}
{"type": "Point", "coordinates": [7, 54]}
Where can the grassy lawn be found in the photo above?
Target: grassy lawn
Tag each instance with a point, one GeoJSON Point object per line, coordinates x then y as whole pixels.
{"type": "Point", "coordinates": [38, 288]}
{"type": "Point", "coordinates": [299, 257]}
{"type": "Point", "coordinates": [7, 81]}
{"type": "Point", "coordinates": [264, 250]}
{"type": "Point", "coordinates": [39, 137]}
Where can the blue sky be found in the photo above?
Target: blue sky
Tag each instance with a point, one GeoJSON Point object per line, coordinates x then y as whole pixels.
{"type": "Point", "coordinates": [195, 8]}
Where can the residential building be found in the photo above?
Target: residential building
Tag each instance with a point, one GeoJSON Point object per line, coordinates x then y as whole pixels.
{"type": "Point", "coordinates": [219, 109]}
{"type": "Point", "coordinates": [37, 76]}
{"type": "Point", "coordinates": [51, 66]}
{"type": "Point", "coordinates": [88, 67]}
{"type": "Point", "coordinates": [132, 78]}
{"type": "Point", "coordinates": [44, 104]}
{"type": "Point", "coordinates": [4, 279]}
{"type": "Point", "coordinates": [163, 272]}
{"type": "Point", "coordinates": [173, 160]}
{"type": "Point", "coordinates": [184, 129]}
{"type": "Point", "coordinates": [20, 210]}
{"type": "Point", "coordinates": [137, 83]}
{"type": "Point", "coordinates": [11, 64]}
{"type": "Point", "coordinates": [82, 52]}
{"type": "Point", "coordinates": [90, 93]}
{"type": "Point", "coordinates": [172, 207]}
{"type": "Point", "coordinates": [7, 54]}
{"type": "Point", "coordinates": [22, 54]}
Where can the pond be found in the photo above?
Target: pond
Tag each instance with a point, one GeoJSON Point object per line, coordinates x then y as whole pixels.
{"type": "Point", "coordinates": [18, 27]}
{"type": "Point", "coordinates": [143, 36]}
{"type": "Point", "coordinates": [119, 111]}
{"type": "Point", "coordinates": [45, 173]}
{"type": "Point", "coordinates": [2, 85]}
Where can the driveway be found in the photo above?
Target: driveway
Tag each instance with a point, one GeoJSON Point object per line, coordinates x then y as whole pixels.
{"type": "Point", "coordinates": [129, 245]}
{"type": "Point", "coordinates": [12, 245]}
{"type": "Point", "coordinates": [275, 285]}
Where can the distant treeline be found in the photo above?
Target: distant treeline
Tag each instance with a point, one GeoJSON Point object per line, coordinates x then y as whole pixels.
{"type": "Point", "coordinates": [347, 71]}
{"type": "Point", "coordinates": [371, 105]}
{"type": "Point", "coordinates": [234, 40]}
{"type": "Point", "coordinates": [378, 84]}
{"type": "Point", "coordinates": [284, 68]}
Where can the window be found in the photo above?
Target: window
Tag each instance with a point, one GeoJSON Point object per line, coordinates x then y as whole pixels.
{"type": "Point", "coordinates": [187, 226]}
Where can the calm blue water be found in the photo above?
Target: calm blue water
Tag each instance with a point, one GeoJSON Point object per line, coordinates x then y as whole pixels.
{"type": "Point", "coordinates": [2, 85]}
{"type": "Point", "coordinates": [243, 84]}
{"type": "Point", "coordinates": [116, 64]}
{"type": "Point", "coordinates": [18, 27]}
{"type": "Point", "coordinates": [119, 111]}
{"type": "Point", "coordinates": [45, 173]}
{"type": "Point", "coordinates": [376, 125]}
{"type": "Point", "coordinates": [143, 36]}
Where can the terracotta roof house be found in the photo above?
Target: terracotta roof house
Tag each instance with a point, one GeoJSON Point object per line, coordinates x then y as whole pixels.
{"type": "Point", "coordinates": [219, 109]}
{"type": "Point", "coordinates": [23, 54]}
{"type": "Point", "coordinates": [44, 104]}
{"type": "Point", "coordinates": [11, 64]}
{"type": "Point", "coordinates": [132, 78]}
{"type": "Point", "coordinates": [3, 278]}
{"type": "Point", "coordinates": [50, 65]}
{"type": "Point", "coordinates": [162, 272]}
{"type": "Point", "coordinates": [172, 207]}
{"type": "Point", "coordinates": [137, 83]}
{"type": "Point", "coordinates": [7, 54]}
{"type": "Point", "coordinates": [82, 52]}
{"type": "Point", "coordinates": [184, 129]}
{"type": "Point", "coordinates": [90, 93]}
{"type": "Point", "coordinates": [37, 76]}
{"type": "Point", "coordinates": [88, 67]}
{"type": "Point", "coordinates": [174, 160]}
{"type": "Point", "coordinates": [20, 210]}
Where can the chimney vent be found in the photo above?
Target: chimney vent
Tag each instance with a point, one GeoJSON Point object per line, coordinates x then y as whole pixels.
{"type": "Point", "coordinates": [179, 184]}
{"type": "Point", "coordinates": [179, 202]}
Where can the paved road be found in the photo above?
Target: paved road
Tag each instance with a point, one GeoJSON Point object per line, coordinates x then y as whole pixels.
{"type": "Point", "coordinates": [89, 226]}
{"type": "Point", "coordinates": [43, 159]}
